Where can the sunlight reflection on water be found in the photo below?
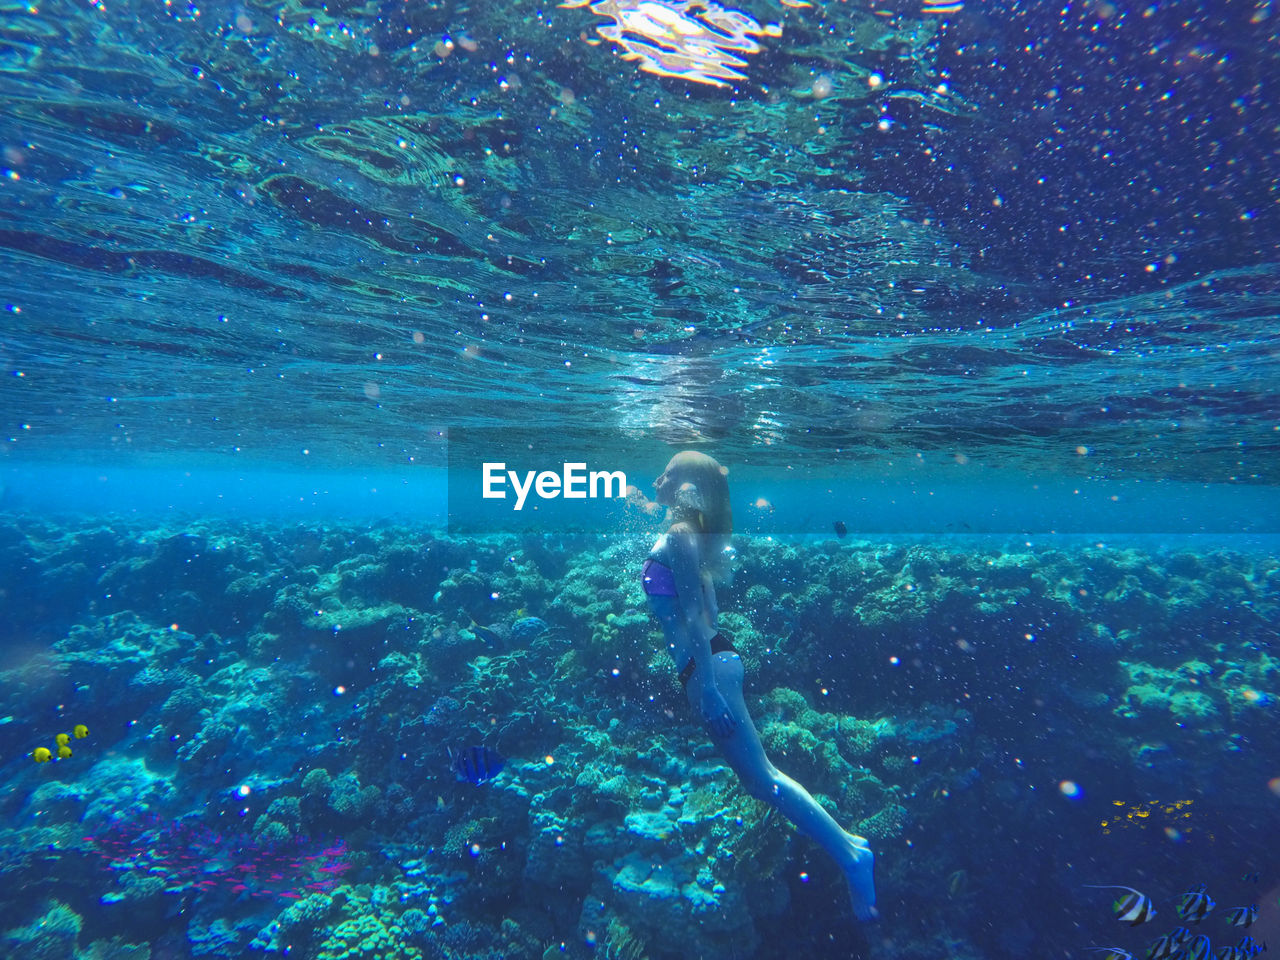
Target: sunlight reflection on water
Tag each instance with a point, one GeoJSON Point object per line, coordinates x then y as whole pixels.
{"type": "Point", "coordinates": [696, 40]}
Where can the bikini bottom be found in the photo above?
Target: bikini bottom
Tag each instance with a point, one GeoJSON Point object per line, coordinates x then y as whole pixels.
{"type": "Point", "coordinates": [718, 645]}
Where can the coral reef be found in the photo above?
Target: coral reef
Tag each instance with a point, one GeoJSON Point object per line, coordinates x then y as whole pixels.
{"type": "Point", "coordinates": [252, 690]}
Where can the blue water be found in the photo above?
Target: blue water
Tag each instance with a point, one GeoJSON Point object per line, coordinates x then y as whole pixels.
{"type": "Point", "coordinates": [976, 302]}
{"type": "Point", "coordinates": [941, 501]}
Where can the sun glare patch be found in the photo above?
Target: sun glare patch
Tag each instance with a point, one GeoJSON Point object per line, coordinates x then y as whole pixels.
{"type": "Point", "coordinates": [696, 40]}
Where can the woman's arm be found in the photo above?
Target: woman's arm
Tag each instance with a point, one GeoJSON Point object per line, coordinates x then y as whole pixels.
{"type": "Point", "coordinates": [686, 570]}
{"type": "Point", "coordinates": [698, 606]}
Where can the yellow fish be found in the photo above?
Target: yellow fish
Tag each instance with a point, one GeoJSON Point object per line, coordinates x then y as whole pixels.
{"type": "Point", "coordinates": [41, 755]}
{"type": "Point", "coordinates": [81, 731]}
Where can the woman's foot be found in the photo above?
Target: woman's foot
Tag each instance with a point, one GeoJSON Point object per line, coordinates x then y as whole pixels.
{"type": "Point", "coordinates": [858, 871]}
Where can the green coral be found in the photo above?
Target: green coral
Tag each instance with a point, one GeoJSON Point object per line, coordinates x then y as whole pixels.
{"type": "Point", "coordinates": [1184, 693]}
{"type": "Point", "coordinates": [115, 949]}
{"type": "Point", "coordinates": [789, 739]}
{"type": "Point", "coordinates": [348, 799]}
{"type": "Point", "coordinates": [619, 943]}
{"type": "Point", "coordinates": [50, 937]}
{"type": "Point", "coordinates": [756, 837]}
{"type": "Point", "coordinates": [707, 799]}
{"type": "Point", "coordinates": [316, 783]}
{"type": "Point", "coordinates": [365, 937]}
{"type": "Point", "coordinates": [270, 831]}
{"type": "Point", "coordinates": [858, 737]}
{"type": "Point", "coordinates": [1251, 685]}
{"type": "Point", "coordinates": [787, 704]}
{"type": "Point", "coordinates": [286, 810]}
{"type": "Point", "coordinates": [136, 886]}
{"type": "Point", "coordinates": [1198, 694]}
{"type": "Point", "coordinates": [887, 824]}
{"type": "Point", "coordinates": [631, 625]}
{"type": "Point", "coordinates": [298, 923]}
{"type": "Point", "coordinates": [619, 789]}
{"type": "Point", "coordinates": [458, 838]}
{"type": "Point", "coordinates": [184, 704]}
{"type": "Point", "coordinates": [794, 733]}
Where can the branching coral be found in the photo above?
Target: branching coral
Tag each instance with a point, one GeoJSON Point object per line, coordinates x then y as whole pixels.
{"type": "Point", "coordinates": [619, 943]}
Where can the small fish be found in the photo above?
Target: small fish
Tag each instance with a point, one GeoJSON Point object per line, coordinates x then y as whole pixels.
{"type": "Point", "coordinates": [1230, 953]}
{"type": "Point", "coordinates": [1199, 949]}
{"type": "Point", "coordinates": [495, 635]}
{"type": "Point", "coordinates": [81, 731]}
{"type": "Point", "coordinates": [42, 755]}
{"type": "Point", "coordinates": [1243, 916]}
{"type": "Point", "coordinates": [1114, 953]}
{"type": "Point", "coordinates": [841, 530]}
{"type": "Point", "coordinates": [477, 764]}
{"type": "Point", "coordinates": [1133, 908]}
{"type": "Point", "coordinates": [1249, 946]}
{"type": "Point", "coordinates": [1195, 904]}
{"type": "Point", "coordinates": [1161, 948]}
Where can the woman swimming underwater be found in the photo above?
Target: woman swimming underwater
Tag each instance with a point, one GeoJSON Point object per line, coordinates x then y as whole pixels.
{"type": "Point", "coordinates": [679, 579]}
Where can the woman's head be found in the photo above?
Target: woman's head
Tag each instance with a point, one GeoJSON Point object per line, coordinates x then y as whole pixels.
{"type": "Point", "coordinates": [696, 489]}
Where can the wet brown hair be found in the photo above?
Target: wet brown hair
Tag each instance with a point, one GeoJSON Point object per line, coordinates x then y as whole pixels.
{"type": "Point", "coordinates": [715, 520]}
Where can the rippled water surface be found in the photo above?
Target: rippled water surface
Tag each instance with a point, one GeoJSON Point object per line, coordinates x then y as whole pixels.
{"type": "Point", "coordinates": [1007, 233]}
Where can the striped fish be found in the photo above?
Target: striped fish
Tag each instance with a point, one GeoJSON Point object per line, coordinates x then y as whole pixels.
{"type": "Point", "coordinates": [1249, 946]}
{"type": "Point", "coordinates": [1230, 953]}
{"type": "Point", "coordinates": [1199, 949]}
{"type": "Point", "coordinates": [1133, 908]}
{"type": "Point", "coordinates": [476, 764]}
{"type": "Point", "coordinates": [1162, 948]}
{"type": "Point", "coordinates": [1243, 916]}
{"type": "Point", "coordinates": [1195, 904]}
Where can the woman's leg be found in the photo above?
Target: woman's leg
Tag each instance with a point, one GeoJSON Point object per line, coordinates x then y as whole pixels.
{"type": "Point", "coordinates": [766, 782]}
